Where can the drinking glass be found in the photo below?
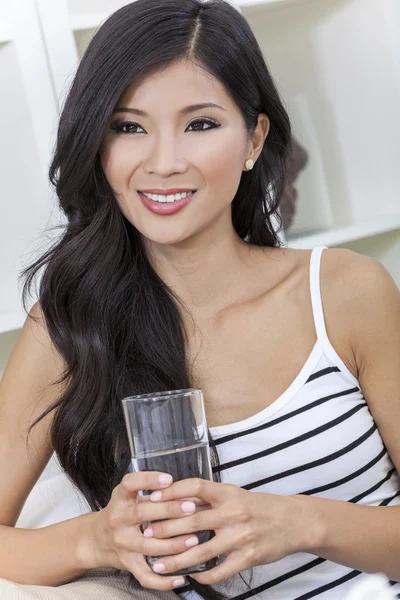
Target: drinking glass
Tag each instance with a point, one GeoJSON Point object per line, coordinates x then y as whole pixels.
{"type": "Point", "coordinates": [167, 432]}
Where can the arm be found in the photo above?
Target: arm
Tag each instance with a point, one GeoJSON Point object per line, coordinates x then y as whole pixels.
{"type": "Point", "coordinates": [51, 555]}
{"type": "Point", "coordinates": [55, 554]}
{"type": "Point", "coordinates": [58, 553]}
{"type": "Point", "coordinates": [365, 538]}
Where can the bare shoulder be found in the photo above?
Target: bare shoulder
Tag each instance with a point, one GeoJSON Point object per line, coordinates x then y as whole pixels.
{"type": "Point", "coordinates": [350, 265]}
{"type": "Point", "coordinates": [362, 301]}
{"type": "Point", "coordinates": [370, 311]}
{"type": "Point", "coordinates": [358, 280]}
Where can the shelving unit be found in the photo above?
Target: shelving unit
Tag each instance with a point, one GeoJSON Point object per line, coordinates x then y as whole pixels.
{"type": "Point", "coordinates": [341, 59]}
{"type": "Point", "coordinates": [343, 235]}
{"type": "Point", "coordinates": [87, 21]}
{"type": "Point", "coordinates": [28, 123]}
{"type": "Point", "coordinates": [336, 64]}
{"type": "Point", "coordinates": [6, 33]}
{"type": "Point", "coordinates": [245, 5]}
{"type": "Point", "coordinates": [90, 13]}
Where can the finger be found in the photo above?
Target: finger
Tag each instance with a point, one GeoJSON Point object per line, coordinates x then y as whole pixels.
{"type": "Point", "coordinates": [198, 502]}
{"type": "Point", "coordinates": [211, 492]}
{"type": "Point", "coordinates": [204, 520]}
{"type": "Point", "coordinates": [148, 511]}
{"type": "Point", "coordinates": [141, 570]}
{"type": "Point", "coordinates": [192, 557]}
{"type": "Point", "coordinates": [230, 567]}
{"type": "Point", "coordinates": [131, 539]}
{"type": "Point", "coordinates": [203, 506]}
{"type": "Point", "coordinates": [132, 483]}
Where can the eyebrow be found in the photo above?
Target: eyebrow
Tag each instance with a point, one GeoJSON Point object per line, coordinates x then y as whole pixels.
{"type": "Point", "coordinates": [184, 111]}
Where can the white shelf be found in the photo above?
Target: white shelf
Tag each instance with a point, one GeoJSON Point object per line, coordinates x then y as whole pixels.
{"type": "Point", "coordinates": [335, 82]}
{"type": "Point", "coordinates": [87, 21]}
{"type": "Point", "coordinates": [92, 20]}
{"type": "Point", "coordinates": [11, 321]}
{"type": "Point", "coordinates": [6, 34]}
{"type": "Point", "coordinates": [265, 4]}
{"type": "Point", "coordinates": [246, 3]}
{"type": "Point", "coordinates": [350, 233]}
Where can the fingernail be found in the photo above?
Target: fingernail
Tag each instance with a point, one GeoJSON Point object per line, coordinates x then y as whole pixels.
{"type": "Point", "coordinates": [148, 532]}
{"type": "Point", "coordinates": [155, 496]}
{"type": "Point", "coordinates": [158, 567]}
{"type": "Point", "coordinates": [178, 582]}
{"type": "Point", "coordinates": [165, 479]}
{"type": "Point", "coordinates": [192, 541]}
{"type": "Point", "coordinates": [188, 507]}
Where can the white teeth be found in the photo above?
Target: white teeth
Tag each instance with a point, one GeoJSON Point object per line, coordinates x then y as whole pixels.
{"type": "Point", "coordinates": [168, 198]}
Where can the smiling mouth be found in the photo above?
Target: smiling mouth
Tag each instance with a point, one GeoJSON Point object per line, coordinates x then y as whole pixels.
{"type": "Point", "coordinates": [167, 198]}
{"type": "Point", "coordinates": [164, 206]}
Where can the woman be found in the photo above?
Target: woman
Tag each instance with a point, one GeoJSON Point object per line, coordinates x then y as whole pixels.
{"type": "Point", "coordinates": [170, 162]}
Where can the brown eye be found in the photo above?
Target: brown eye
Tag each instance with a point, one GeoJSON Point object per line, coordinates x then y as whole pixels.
{"type": "Point", "coordinates": [125, 127]}
{"type": "Point", "coordinates": [201, 122]}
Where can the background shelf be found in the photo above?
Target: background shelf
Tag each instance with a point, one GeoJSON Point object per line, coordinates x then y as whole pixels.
{"type": "Point", "coordinates": [6, 33]}
{"type": "Point", "coordinates": [342, 235]}
{"type": "Point", "coordinates": [87, 21]}
{"type": "Point", "coordinates": [90, 13]}
{"type": "Point", "coordinates": [266, 4]}
{"type": "Point", "coordinates": [25, 195]}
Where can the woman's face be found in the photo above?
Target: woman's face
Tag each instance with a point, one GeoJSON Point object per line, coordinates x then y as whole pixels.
{"type": "Point", "coordinates": [170, 147]}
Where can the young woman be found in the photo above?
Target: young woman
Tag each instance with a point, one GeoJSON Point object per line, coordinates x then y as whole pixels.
{"type": "Point", "coordinates": [169, 166]}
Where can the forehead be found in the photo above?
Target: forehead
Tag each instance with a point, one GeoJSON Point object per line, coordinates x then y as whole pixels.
{"type": "Point", "coordinates": [179, 85]}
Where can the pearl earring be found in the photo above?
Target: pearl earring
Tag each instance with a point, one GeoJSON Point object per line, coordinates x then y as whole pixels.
{"type": "Point", "coordinates": [249, 164]}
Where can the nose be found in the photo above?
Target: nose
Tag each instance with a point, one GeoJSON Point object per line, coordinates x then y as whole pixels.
{"type": "Point", "coordinates": [164, 158]}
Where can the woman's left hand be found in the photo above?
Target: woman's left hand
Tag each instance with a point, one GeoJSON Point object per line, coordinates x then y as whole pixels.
{"type": "Point", "coordinates": [251, 528]}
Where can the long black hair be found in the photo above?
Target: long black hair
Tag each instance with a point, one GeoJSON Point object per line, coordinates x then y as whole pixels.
{"type": "Point", "coordinates": [118, 327]}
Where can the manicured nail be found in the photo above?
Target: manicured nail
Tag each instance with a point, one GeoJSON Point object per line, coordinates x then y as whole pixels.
{"type": "Point", "coordinates": [148, 532]}
{"type": "Point", "coordinates": [178, 582]}
{"type": "Point", "coordinates": [155, 496]}
{"type": "Point", "coordinates": [158, 568]}
{"type": "Point", "coordinates": [188, 507]}
{"type": "Point", "coordinates": [192, 541]}
{"type": "Point", "coordinates": [165, 479]}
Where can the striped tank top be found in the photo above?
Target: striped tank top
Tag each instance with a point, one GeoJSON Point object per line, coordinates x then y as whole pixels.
{"type": "Point", "coordinates": [318, 438]}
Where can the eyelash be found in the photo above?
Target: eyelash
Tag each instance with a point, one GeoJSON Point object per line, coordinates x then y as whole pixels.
{"type": "Point", "coordinates": [118, 126]}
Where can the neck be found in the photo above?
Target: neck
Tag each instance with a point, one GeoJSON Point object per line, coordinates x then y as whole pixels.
{"type": "Point", "coordinates": [205, 272]}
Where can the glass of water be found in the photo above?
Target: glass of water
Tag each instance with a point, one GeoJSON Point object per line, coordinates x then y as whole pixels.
{"type": "Point", "coordinates": [167, 432]}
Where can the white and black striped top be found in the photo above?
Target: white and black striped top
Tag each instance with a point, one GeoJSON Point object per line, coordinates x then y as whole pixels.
{"type": "Point", "coordinates": [318, 438]}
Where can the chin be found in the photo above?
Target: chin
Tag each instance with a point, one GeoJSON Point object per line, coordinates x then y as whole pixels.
{"type": "Point", "coordinates": [165, 236]}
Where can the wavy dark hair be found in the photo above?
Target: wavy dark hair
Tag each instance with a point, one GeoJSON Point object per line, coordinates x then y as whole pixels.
{"type": "Point", "coordinates": [118, 327]}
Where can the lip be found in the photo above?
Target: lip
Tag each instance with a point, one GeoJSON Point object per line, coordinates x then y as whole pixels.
{"type": "Point", "coordinates": [168, 192]}
{"type": "Point", "coordinates": [165, 208]}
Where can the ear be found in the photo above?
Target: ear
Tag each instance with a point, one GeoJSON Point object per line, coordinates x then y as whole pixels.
{"type": "Point", "coordinates": [258, 137]}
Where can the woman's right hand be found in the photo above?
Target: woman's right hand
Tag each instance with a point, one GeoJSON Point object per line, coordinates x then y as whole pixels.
{"type": "Point", "coordinates": [118, 541]}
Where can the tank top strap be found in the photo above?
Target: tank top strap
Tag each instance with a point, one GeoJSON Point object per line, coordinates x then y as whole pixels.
{"type": "Point", "coordinates": [319, 318]}
{"type": "Point", "coordinates": [315, 288]}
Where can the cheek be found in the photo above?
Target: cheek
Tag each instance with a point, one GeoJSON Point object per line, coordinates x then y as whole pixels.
{"type": "Point", "coordinates": [229, 161]}
{"type": "Point", "coordinates": [108, 164]}
{"type": "Point", "coordinates": [117, 174]}
{"type": "Point", "coordinates": [117, 165]}
{"type": "Point", "coordinates": [223, 160]}
{"type": "Point", "coordinates": [223, 171]}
